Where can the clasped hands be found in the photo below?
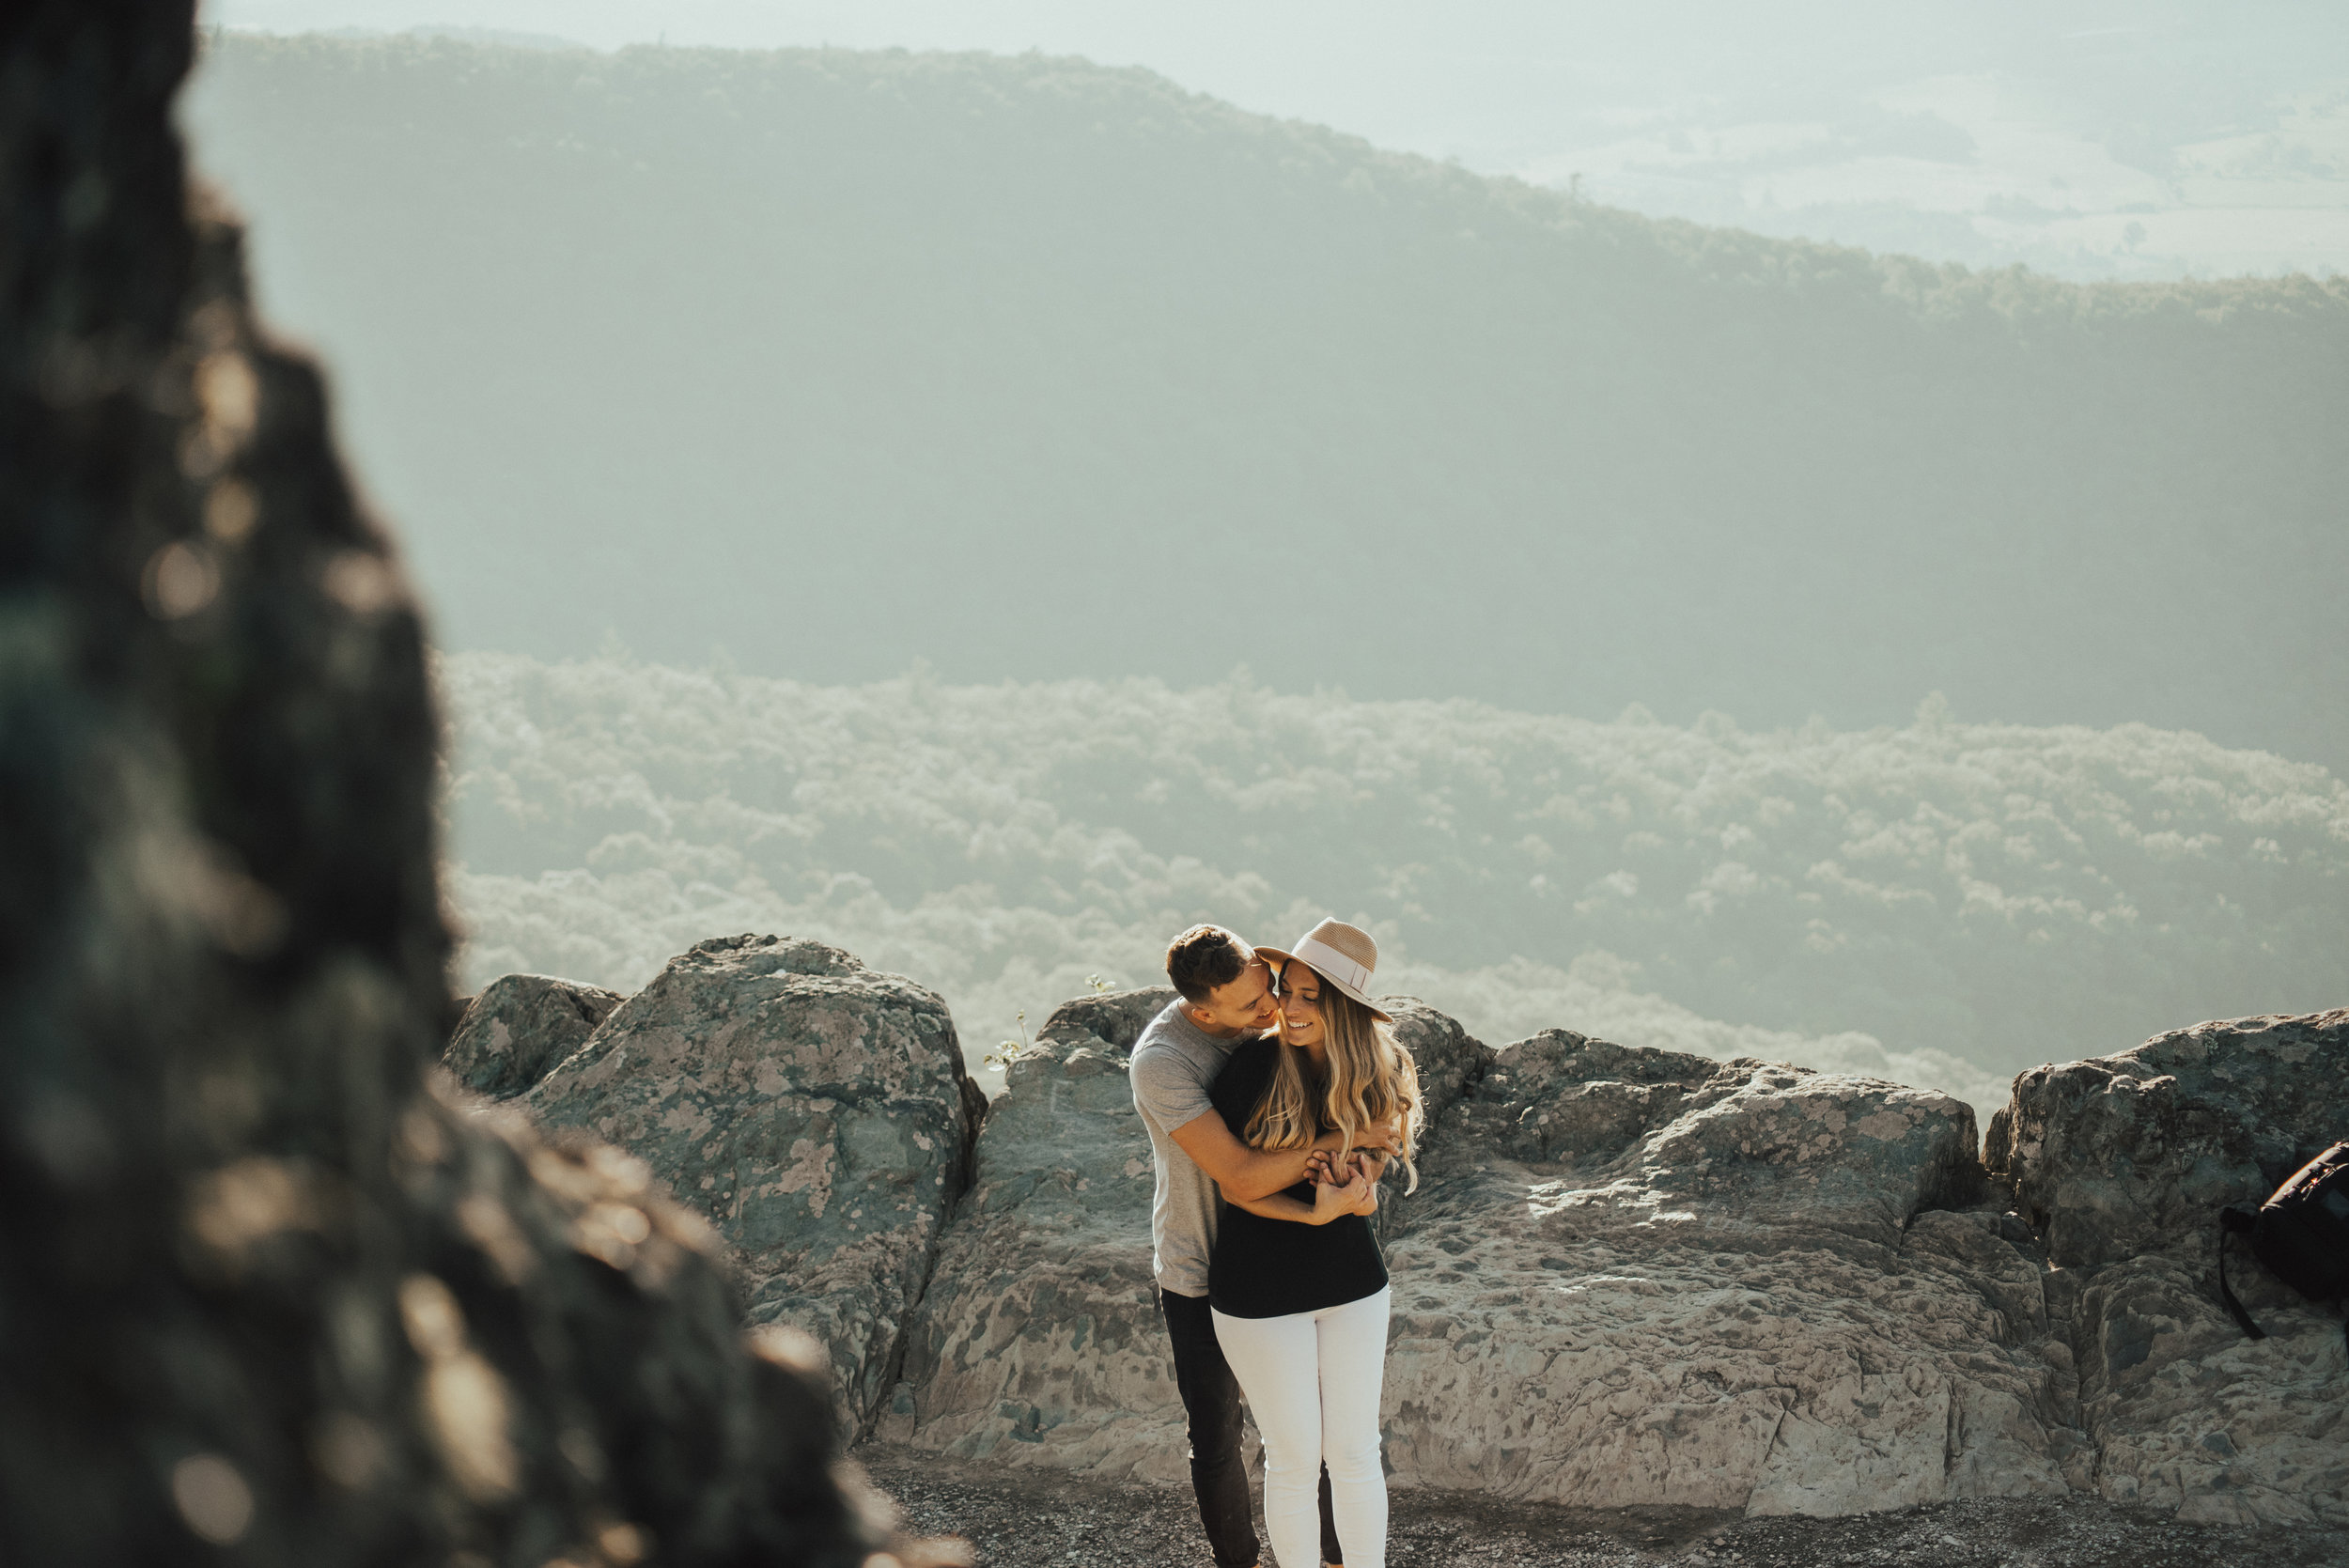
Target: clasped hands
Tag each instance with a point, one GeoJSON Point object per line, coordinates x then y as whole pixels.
{"type": "Point", "coordinates": [1345, 1181]}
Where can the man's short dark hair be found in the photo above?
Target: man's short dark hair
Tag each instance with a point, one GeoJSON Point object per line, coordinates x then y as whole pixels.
{"type": "Point", "coordinates": [1202, 958]}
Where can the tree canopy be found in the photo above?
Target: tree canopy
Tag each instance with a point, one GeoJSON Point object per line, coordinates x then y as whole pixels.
{"type": "Point", "coordinates": [1944, 902]}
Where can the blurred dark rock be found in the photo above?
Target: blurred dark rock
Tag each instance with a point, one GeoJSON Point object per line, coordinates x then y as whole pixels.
{"type": "Point", "coordinates": [816, 1110]}
{"type": "Point", "coordinates": [265, 1295]}
{"type": "Point", "coordinates": [521, 1028]}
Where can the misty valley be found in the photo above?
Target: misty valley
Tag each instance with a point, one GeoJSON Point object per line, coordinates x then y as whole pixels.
{"type": "Point", "coordinates": [1943, 903]}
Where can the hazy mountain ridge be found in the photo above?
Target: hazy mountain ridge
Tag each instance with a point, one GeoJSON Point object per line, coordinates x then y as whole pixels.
{"type": "Point", "coordinates": [732, 349]}
{"type": "Point", "coordinates": [1971, 898]}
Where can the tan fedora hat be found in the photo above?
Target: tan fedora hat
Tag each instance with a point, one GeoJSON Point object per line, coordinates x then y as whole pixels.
{"type": "Point", "coordinates": [1343, 955]}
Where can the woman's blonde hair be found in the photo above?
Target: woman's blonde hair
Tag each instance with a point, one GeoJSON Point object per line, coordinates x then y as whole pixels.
{"type": "Point", "coordinates": [1371, 1077]}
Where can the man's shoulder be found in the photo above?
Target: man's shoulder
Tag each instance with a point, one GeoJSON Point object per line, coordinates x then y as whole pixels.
{"type": "Point", "coordinates": [1169, 1033]}
{"type": "Point", "coordinates": [1173, 1065]}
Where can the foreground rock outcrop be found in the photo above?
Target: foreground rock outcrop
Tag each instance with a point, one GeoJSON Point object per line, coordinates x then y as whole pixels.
{"type": "Point", "coordinates": [815, 1112]}
{"type": "Point", "coordinates": [267, 1299]}
{"type": "Point", "coordinates": [2124, 1161]}
{"type": "Point", "coordinates": [521, 1028]}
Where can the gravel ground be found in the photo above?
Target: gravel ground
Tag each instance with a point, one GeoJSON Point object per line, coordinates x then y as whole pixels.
{"type": "Point", "coordinates": [1040, 1519]}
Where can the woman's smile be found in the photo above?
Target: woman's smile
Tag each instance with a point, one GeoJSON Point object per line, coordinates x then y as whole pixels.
{"type": "Point", "coordinates": [1300, 1006]}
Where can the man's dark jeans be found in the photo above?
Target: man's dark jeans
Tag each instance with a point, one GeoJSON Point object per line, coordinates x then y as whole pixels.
{"type": "Point", "coordinates": [1211, 1399]}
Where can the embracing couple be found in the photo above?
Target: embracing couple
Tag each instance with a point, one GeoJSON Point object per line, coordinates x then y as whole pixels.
{"type": "Point", "coordinates": [1275, 1095]}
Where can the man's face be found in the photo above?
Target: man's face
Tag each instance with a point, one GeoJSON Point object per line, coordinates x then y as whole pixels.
{"type": "Point", "coordinates": [1239, 1006]}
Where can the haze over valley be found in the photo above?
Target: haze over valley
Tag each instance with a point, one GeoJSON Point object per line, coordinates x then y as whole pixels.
{"type": "Point", "coordinates": [989, 512]}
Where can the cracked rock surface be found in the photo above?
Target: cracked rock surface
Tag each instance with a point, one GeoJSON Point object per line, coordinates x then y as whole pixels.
{"type": "Point", "coordinates": [1639, 1277]}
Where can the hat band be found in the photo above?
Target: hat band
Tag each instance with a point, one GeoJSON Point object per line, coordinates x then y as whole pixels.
{"type": "Point", "coordinates": [1335, 965]}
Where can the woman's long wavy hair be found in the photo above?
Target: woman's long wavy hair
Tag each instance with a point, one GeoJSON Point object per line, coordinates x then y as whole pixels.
{"type": "Point", "coordinates": [1370, 1078]}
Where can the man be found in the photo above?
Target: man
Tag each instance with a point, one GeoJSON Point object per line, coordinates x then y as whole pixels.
{"type": "Point", "coordinates": [1223, 995]}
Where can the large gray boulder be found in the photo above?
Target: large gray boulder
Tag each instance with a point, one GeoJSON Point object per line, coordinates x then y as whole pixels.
{"type": "Point", "coordinates": [1040, 1341]}
{"type": "Point", "coordinates": [267, 1300]}
{"type": "Point", "coordinates": [2127, 1155]}
{"type": "Point", "coordinates": [815, 1111]}
{"type": "Point", "coordinates": [2124, 1161]}
{"type": "Point", "coordinates": [521, 1028]}
{"type": "Point", "coordinates": [1633, 1277]}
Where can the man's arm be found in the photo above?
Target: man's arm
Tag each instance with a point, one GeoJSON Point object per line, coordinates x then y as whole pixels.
{"type": "Point", "coordinates": [1357, 1194]}
{"type": "Point", "coordinates": [1244, 1174]}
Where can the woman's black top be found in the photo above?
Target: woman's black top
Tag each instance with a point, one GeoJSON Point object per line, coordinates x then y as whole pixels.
{"type": "Point", "coordinates": [1272, 1268]}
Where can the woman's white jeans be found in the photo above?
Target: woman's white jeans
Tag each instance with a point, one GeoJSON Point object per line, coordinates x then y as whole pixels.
{"type": "Point", "coordinates": [1312, 1380]}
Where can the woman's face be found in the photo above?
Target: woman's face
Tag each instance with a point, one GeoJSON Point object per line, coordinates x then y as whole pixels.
{"type": "Point", "coordinates": [1301, 1005]}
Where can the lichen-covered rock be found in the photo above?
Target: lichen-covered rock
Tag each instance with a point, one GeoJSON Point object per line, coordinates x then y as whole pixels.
{"type": "Point", "coordinates": [521, 1028]}
{"type": "Point", "coordinates": [2136, 1152]}
{"type": "Point", "coordinates": [815, 1111]}
{"type": "Point", "coordinates": [267, 1300]}
{"type": "Point", "coordinates": [1634, 1277]}
{"type": "Point", "coordinates": [2124, 1161]}
{"type": "Point", "coordinates": [1040, 1341]}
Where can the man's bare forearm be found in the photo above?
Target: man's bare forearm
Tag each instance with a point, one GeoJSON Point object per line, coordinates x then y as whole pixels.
{"type": "Point", "coordinates": [1264, 1172]}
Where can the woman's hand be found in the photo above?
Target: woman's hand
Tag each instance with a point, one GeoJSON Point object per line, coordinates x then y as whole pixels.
{"type": "Point", "coordinates": [1346, 1189]}
{"type": "Point", "coordinates": [1342, 1193]}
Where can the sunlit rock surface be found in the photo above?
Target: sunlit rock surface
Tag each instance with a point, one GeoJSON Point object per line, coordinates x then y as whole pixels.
{"type": "Point", "coordinates": [1635, 1276]}
{"type": "Point", "coordinates": [521, 1028]}
{"type": "Point", "coordinates": [2126, 1161]}
{"type": "Point", "coordinates": [815, 1111]}
{"type": "Point", "coordinates": [266, 1300]}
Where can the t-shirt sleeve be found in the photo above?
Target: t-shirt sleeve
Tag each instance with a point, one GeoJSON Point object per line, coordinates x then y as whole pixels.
{"type": "Point", "coordinates": [1168, 1090]}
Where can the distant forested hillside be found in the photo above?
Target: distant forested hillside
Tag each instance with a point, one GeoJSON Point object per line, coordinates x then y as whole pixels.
{"type": "Point", "coordinates": [1969, 898]}
{"type": "Point", "coordinates": [1035, 369]}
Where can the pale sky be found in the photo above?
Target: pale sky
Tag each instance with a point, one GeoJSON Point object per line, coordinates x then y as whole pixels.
{"type": "Point", "coordinates": [2088, 139]}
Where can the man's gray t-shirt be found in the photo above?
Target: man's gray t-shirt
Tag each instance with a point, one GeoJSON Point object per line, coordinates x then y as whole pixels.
{"type": "Point", "coordinates": [1174, 1066]}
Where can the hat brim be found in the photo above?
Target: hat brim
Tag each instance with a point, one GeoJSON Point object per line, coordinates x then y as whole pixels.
{"type": "Point", "coordinates": [1284, 959]}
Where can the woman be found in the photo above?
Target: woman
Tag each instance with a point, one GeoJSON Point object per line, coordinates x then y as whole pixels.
{"type": "Point", "coordinates": [1297, 1289]}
